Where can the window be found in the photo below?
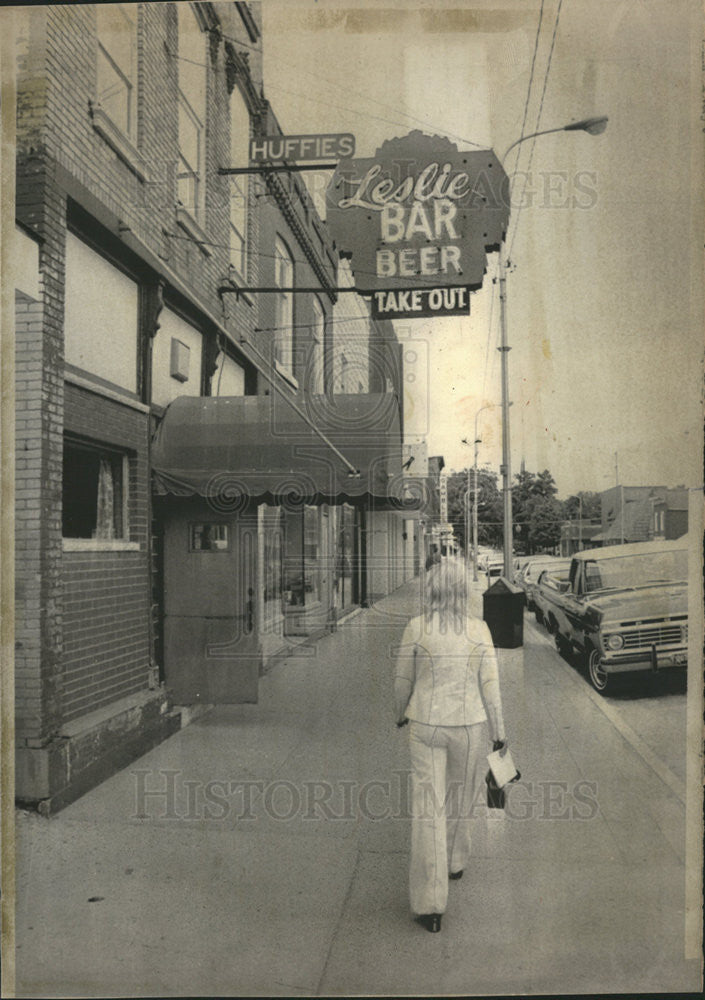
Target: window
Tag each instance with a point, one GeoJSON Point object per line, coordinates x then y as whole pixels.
{"type": "Point", "coordinates": [344, 582]}
{"type": "Point", "coordinates": [101, 316]}
{"type": "Point", "coordinates": [209, 537]}
{"type": "Point", "coordinates": [317, 370]}
{"type": "Point", "coordinates": [284, 308]}
{"type": "Point", "coordinates": [95, 480]}
{"type": "Point", "coordinates": [301, 565]}
{"type": "Point", "coordinates": [312, 555]}
{"type": "Point", "coordinates": [192, 112]}
{"type": "Point", "coordinates": [117, 72]}
{"type": "Point", "coordinates": [271, 528]}
{"type": "Point", "coordinates": [239, 157]}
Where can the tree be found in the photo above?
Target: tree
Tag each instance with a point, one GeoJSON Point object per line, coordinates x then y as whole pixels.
{"type": "Point", "coordinates": [529, 488]}
{"type": "Point", "coordinates": [489, 511]}
{"type": "Point", "coordinates": [586, 503]}
{"type": "Point", "coordinates": [544, 516]}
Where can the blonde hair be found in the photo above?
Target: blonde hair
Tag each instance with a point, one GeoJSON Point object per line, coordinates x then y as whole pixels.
{"type": "Point", "coordinates": [446, 593]}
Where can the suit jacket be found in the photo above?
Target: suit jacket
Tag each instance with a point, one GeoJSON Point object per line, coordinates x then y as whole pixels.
{"type": "Point", "coordinates": [448, 677]}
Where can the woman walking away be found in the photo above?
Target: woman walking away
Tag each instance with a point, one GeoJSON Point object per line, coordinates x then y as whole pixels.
{"type": "Point", "coordinates": [446, 685]}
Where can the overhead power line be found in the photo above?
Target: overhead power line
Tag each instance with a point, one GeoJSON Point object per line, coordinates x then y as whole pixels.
{"type": "Point", "coordinates": [538, 122]}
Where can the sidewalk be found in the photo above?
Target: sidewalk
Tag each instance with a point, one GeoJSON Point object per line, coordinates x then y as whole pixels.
{"type": "Point", "coordinates": [258, 868]}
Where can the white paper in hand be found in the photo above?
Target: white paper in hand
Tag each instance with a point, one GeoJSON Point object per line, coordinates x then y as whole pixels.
{"type": "Point", "coordinates": [502, 767]}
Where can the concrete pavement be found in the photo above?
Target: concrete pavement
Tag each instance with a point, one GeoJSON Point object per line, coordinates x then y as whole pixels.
{"type": "Point", "coordinates": [263, 850]}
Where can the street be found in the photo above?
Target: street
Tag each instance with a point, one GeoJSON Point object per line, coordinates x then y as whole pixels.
{"type": "Point", "coordinates": [652, 709]}
{"type": "Point", "coordinates": [263, 850]}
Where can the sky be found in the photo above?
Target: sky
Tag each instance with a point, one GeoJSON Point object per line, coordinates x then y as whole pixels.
{"type": "Point", "coordinates": [604, 291]}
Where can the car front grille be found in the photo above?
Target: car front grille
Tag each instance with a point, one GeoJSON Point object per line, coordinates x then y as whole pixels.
{"type": "Point", "coordinates": [665, 634]}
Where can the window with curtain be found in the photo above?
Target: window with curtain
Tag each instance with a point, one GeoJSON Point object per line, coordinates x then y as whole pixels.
{"type": "Point", "coordinates": [117, 64]}
{"type": "Point", "coordinates": [284, 307]}
{"type": "Point", "coordinates": [317, 365]}
{"type": "Point", "coordinates": [239, 157]}
{"type": "Point", "coordinates": [94, 480]}
{"type": "Point", "coordinates": [192, 69]}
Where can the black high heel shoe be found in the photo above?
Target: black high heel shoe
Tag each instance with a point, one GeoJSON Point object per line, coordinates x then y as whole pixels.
{"type": "Point", "coordinates": [430, 921]}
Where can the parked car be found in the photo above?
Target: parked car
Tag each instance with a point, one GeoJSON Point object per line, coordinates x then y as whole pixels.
{"type": "Point", "coordinates": [625, 609]}
{"type": "Point", "coordinates": [551, 583]}
{"type": "Point", "coordinates": [493, 569]}
{"type": "Point", "coordinates": [529, 574]}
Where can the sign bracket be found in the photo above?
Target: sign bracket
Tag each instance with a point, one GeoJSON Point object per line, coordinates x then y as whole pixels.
{"type": "Point", "coordinates": [308, 289]}
{"type": "Point", "coordinates": [272, 168]}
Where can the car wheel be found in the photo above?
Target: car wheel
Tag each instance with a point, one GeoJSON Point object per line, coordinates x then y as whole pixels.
{"type": "Point", "coordinates": [539, 616]}
{"type": "Point", "coordinates": [599, 678]}
{"type": "Point", "coordinates": [550, 624]}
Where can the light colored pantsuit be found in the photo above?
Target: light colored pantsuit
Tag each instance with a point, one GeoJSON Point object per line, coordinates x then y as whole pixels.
{"type": "Point", "coordinates": [446, 684]}
{"type": "Point", "coordinates": [447, 772]}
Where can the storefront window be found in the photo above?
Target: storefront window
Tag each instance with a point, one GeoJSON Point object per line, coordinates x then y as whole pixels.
{"type": "Point", "coordinates": [302, 557]}
{"type": "Point", "coordinates": [294, 578]}
{"type": "Point", "coordinates": [209, 537]}
{"type": "Point", "coordinates": [345, 556]}
{"type": "Point", "coordinates": [272, 563]}
{"type": "Point", "coordinates": [312, 560]}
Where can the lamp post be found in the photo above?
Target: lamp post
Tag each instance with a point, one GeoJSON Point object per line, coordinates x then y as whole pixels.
{"type": "Point", "coordinates": [593, 126]}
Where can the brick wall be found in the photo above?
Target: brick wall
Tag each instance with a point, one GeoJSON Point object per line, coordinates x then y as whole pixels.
{"type": "Point", "coordinates": [106, 629]}
{"type": "Point", "coordinates": [56, 88]}
{"type": "Point", "coordinates": [31, 648]}
{"type": "Point", "coordinates": [38, 444]}
{"type": "Point", "coordinates": [106, 594]}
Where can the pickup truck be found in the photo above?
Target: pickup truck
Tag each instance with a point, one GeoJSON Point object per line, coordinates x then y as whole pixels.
{"type": "Point", "coordinates": [624, 608]}
{"type": "Point", "coordinates": [549, 589]}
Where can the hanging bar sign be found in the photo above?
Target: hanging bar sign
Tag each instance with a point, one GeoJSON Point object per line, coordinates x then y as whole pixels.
{"type": "Point", "coordinates": [273, 148]}
{"type": "Point", "coordinates": [419, 214]}
{"type": "Point", "coordinates": [421, 303]}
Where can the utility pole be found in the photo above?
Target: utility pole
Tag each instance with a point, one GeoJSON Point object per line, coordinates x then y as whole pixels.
{"type": "Point", "coordinates": [474, 512]}
{"type": "Point", "coordinates": [580, 523]}
{"type": "Point", "coordinates": [506, 455]}
{"type": "Point", "coordinates": [467, 519]}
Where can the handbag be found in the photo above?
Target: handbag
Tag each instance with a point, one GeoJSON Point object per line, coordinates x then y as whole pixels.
{"type": "Point", "coordinates": [496, 798]}
{"type": "Point", "coordinates": [495, 795]}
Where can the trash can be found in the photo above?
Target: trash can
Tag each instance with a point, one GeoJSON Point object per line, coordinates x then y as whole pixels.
{"type": "Point", "coordinates": [503, 610]}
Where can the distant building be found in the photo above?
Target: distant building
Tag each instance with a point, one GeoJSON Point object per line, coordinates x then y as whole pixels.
{"type": "Point", "coordinates": [670, 514]}
{"type": "Point", "coordinates": [641, 514]}
{"type": "Point", "coordinates": [578, 535]}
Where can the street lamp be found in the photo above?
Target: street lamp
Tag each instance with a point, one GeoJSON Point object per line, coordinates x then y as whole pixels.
{"type": "Point", "coordinates": [593, 126]}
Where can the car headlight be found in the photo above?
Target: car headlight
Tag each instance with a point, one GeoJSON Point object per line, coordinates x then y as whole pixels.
{"type": "Point", "coordinates": [614, 641]}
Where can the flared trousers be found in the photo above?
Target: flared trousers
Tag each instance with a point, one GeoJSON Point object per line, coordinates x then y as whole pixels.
{"type": "Point", "coordinates": [447, 763]}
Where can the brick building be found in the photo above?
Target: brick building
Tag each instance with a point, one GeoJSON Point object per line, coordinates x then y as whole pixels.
{"type": "Point", "coordinates": [131, 309]}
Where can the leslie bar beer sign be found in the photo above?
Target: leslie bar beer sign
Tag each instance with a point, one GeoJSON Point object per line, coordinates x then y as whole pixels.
{"type": "Point", "coordinates": [419, 216]}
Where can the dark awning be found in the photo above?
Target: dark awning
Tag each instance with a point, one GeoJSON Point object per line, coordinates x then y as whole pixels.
{"type": "Point", "coordinates": [266, 447]}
